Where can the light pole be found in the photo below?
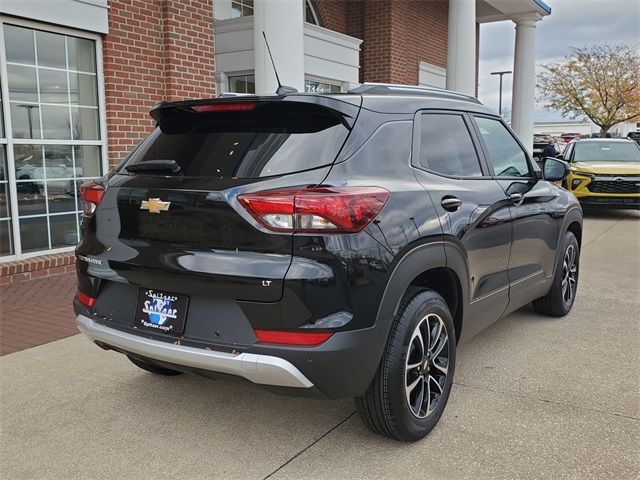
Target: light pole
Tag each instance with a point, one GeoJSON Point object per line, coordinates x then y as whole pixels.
{"type": "Point", "coordinates": [505, 72]}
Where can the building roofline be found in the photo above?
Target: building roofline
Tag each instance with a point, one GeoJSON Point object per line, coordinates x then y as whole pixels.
{"type": "Point", "coordinates": [543, 6]}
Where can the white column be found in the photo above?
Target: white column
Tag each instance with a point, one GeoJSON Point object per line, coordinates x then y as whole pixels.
{"type": "Point", "coordinates": [461, 48]}
{"type": "Point", "coordinates": [281, 21]}
{"type": "Point", "coordinates": [524, 78]}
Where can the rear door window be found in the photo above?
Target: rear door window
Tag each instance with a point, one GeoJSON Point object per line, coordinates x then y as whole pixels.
{"type": "Point", "coordinates": [275, 141]}
{"type": "Point", "coordinates": [446, 147]}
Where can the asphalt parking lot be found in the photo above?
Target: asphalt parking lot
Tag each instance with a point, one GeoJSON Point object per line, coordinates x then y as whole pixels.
{"type": "Point", "coordinates": [533, 397]}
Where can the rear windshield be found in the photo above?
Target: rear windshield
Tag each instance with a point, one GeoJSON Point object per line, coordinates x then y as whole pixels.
{"type": "Point", "coordinates": [604, 151]}
{"type": "Point", "coordinates": [274, 140]}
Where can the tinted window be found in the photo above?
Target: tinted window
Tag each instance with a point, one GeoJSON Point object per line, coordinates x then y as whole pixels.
{"type": "Point", "coordinates": [245, 145]}
{"type": "Point", "coordinates": [603, 151]}
{"type": "Point", "coordinates": [446, 146]}
{"type": "Point", "coordinates": [505, 154]}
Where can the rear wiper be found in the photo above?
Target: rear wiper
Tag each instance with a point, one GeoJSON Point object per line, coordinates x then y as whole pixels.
{"type": "Point", "coordinates": [154, 166]}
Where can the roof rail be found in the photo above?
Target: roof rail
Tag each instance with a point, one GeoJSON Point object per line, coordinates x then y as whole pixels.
{"type": "Point", "coordinates": [396, 89]}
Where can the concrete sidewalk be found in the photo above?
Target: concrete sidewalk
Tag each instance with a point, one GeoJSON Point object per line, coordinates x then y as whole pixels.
{"type": "Point", "coordinates": [534, 397]}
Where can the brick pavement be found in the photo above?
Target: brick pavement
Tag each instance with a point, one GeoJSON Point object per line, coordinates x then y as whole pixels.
{"type": "Point", "coordinates": [34, 312]}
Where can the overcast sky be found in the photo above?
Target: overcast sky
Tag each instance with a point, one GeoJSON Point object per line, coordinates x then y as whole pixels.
{"type": "Point", "coordinates": [572, 23]}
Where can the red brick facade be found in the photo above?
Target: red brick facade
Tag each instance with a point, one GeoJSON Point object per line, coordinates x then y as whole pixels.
{"type": "Point", "coordinates": [155, 50]}
{"type": "Point", "coordinates": [36, 267]}
{"type": "Point", "coordinates": [396, 35]}
{"type": "Point", "coordinates": [333, 14]}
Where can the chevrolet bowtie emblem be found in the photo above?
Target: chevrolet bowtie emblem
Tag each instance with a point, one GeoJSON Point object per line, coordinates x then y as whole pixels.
{"type": "Point", "coordinates": [154, 205]}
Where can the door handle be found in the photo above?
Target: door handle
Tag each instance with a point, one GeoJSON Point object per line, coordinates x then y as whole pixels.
{"type": "Point", "coordinates": [450, 203]}
{"type": "Point", "coordinates": [516, 198]}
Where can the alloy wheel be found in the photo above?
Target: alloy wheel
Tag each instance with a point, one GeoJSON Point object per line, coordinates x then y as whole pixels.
{"type": "Point", "coordinates": [569, 274]}
{"type": "Point", "coordinates": [426, 365]}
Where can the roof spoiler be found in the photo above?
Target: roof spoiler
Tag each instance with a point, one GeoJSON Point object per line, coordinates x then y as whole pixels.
{"type": "Point", "coordinates": [346, 108]}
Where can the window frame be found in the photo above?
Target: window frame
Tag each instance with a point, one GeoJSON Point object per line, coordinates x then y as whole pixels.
{"type": "Point", "coordinates": [316, 18]}
{"type": "Point", "coordinates": [229, 76]}
{"type": "Point", "coordinates": [10, 142]}
{"type": "Point", "coordinates": [243, 5]}
{"type": "Point", "coordinates": [325, 81]}
{"type": "Point", "coordinates": [485, 150]}
{"type": "Point", "coordinates": [417, 144]}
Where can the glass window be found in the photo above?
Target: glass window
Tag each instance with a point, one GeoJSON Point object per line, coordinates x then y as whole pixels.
{"type": "Point", "coordinates": [320, 87]}
{"type": "Point", "coordinates": [85, 124]}
{"type": "Point", "coordinates": [1, 115]}
{"type": "Point", "coordinates": [241, 8]}
{"type": "Point", "coordinates": [83, 89]}
{"type": "Point", "coordinates": [58, 160]}
{"type": "Point", "coordinates": [63, 230]}
{"type": "Point", "coordinates": [446, 147]}
{"type": "Point", "coordinates": [242, 84]}
{"type": "Point", "coordinates": [61, 196]}
{"type": "Point", "coordinates": [51, 50]}
{"type": "Point", "coordinates": [6, 240]}
{"type": "Point", "coordinates": [505, 154]}
{"type": "Point", "coordinates": [55, 122]}
{"type": "Point", "coordinates": [25, 120]}
{"type": "Point", "coordinates": [53, 86]}
{"type": "Point", "coordinates": [23, 84]}
{"type": "Point", "coordinates": [603, 151]}
{"type": "Point", "coordinates": [81, 54]}
{"type": "Point", "coordinates": [52, 80]}
{"type": "Point", "coordinates": [87, 161]}
{"type": "Point", "coordinates": [19, 45]}
{"type": "Point", "coordinates": [269, 141]}
{"type": "Point", "coordinates": [34, 234]}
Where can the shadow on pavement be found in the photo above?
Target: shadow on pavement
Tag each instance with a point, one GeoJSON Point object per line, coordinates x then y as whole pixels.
{"type": "Point", "coordinates": [609, 213]}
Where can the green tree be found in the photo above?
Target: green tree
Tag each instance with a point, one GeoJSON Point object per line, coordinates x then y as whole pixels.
{"type": "Point", "coordinates": [601, 82]}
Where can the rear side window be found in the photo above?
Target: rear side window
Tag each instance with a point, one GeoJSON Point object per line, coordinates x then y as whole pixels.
{"type": "Point", "coordinates": [274, 141]}
{"type": "Point", "coordinates": [505, 154]}
{"type": "Point", "coordinates": [446, 147]}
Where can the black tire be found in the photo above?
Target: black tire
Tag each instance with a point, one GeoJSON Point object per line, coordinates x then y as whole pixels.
{"type": "Point", "coordinates": [555, 303]}
{"type": "Point", "coordinates": [385, 407]}
{"type": "Point", "coordinates": [153, 368]}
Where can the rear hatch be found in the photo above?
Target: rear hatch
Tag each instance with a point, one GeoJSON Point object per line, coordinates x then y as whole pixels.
{"type": "Point", "coordinates": [169, 218]}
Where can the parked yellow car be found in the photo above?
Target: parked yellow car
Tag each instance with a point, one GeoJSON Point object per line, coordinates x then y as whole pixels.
{"type": "Point", "coordinates": [604, 171]}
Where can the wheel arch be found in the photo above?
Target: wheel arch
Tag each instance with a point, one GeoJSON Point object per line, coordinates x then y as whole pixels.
{"type": "Point", "coordinates": [572, 222]}
{"type": "Point", "coordinates": [437, 265]}
{"type": "Point", "coordinates": [575, 227]}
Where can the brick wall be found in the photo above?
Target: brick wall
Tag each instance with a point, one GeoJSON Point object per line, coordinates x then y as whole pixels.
{"type": "Point", "coordinates": [396, 34]}
{"type": "Point", "coordinates": [332, 14]}
{"type": "Point", "coordinates": [37, 267]}
{"type": "Point", "coordinates": [155, 50]}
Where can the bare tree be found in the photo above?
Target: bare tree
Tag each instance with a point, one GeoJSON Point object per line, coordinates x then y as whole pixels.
{"type": "Point", "coordinates": [601, 82]}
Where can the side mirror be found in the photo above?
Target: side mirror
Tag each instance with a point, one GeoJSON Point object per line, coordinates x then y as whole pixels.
{"type": "Point", "coordinates": [554, 170]}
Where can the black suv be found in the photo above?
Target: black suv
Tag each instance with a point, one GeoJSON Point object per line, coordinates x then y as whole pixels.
{"type": "Point", "coordinates": [336, 245]}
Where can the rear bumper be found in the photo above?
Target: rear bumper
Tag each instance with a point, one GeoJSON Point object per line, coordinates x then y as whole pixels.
{"type": "Point", "coordinates": [262, 369]}
{"type": "Point", "coordinates": [341, 367]}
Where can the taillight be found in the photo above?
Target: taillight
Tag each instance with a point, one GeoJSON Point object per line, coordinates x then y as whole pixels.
{"type": "Point", "coordinates": [292, 338]}
{"type": "Point", "coordinates": [316, 210]}
{"type": "Point", "coordinates": [86, 299]}
{"type": "Point", "coordinates": [225, 107]}
{"type": "Point", "coordinates": [90, 193]}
